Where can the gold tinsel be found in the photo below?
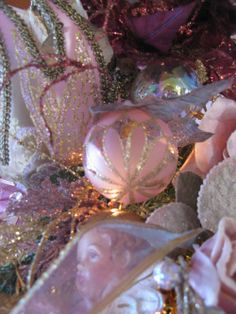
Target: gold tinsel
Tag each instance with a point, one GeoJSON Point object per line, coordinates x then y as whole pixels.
{"type": "Point", "coordinates": [14, 239]}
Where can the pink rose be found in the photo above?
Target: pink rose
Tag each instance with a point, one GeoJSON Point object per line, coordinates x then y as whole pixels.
{"type": "Point", "coordinates": [213, 272]}
{"type": "Point", "coordinates": [220, 120]}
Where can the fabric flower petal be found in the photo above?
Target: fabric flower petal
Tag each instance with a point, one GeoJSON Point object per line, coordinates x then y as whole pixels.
{"type": "Point", "coordinates": [220, 119]}
{"type": "Point", "coordinates": [204, 278]}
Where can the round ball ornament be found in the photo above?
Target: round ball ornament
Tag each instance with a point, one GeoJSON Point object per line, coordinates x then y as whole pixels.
{"type": "Point", "coordinates": [164, 81]}
{"type": "Point", "coordinates": [129, 156]}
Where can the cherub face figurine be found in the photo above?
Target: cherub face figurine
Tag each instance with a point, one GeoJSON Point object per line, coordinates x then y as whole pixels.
{"type": "Point", "coordinates": [104, 257]}
{"type": "Point", "coordinates": [94, 266]}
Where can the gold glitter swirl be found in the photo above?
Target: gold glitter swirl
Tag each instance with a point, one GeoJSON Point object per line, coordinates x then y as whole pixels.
{"type": "Point", "coordinates": [105, 155]}
{"type": "Point", "coordinates": [168, 156]}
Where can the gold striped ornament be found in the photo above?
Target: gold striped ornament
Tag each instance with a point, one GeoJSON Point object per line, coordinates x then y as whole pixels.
{"type": "Point", "coordinates": [129, 156]}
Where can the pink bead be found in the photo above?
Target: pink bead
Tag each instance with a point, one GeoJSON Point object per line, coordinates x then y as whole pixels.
{"type": "Point", "coordinates": [129, 156]}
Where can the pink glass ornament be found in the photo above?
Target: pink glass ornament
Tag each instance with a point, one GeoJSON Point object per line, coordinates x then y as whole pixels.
{"type": "Point", "coordinates": [129, 156]}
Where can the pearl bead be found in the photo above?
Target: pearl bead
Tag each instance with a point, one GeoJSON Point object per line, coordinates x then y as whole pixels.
{"type": "Point", "coordinates": [167, 274]}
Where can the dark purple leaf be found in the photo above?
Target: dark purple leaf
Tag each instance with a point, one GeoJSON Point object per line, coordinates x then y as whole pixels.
{"type": "Point", "coordinates": [160, 29]}
{"type": "Point", "coordinates": [187, 187]}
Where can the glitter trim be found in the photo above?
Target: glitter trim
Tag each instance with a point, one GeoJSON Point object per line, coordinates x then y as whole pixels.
{"type": "Point", "coordinates": [85, 27]}
{"type": "Point", "coordinates": [53, 25]}
{"type": "Point", "coordinates": [29, 41]}
{"type": "Point", "coordinates": [5, 105]}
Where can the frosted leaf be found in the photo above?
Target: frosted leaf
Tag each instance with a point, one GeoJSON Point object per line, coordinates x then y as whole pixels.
{"type": "Point", "coordinates": [217, 196]}
{"type": "Point", "coordinates": [175, 217]}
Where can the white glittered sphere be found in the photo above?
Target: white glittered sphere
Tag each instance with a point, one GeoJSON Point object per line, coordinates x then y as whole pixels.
{"type": "Point", "coordinates": [129, 156]}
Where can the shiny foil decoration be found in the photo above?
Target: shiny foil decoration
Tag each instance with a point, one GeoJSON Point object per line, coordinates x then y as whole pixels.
{"type": "Point", "coordinates": [221, 64]}
{"type": "Point", "coordinates": [129, 156]}
{"type": "Point", "coordinates": [163, 80]}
